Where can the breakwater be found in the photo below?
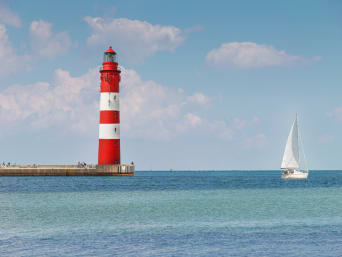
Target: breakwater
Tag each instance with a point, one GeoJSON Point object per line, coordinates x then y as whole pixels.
{"type": "Point", "coordinates": [68, 170]}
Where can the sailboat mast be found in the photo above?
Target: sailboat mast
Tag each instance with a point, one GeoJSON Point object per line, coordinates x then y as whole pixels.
{"type": "Point", "coordinates": [298, 144]}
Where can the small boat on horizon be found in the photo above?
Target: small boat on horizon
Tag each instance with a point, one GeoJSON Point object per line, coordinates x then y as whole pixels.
{"type": "Point", "coordinates": [294, 162]}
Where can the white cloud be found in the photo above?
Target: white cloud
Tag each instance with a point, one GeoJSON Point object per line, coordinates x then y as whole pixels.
{"type": "Point", "coordinates": [233, 129]}
{"type": "Point", "coordinates": [9, 60]}
{"type": "Point", "coordinates": [133, 39]}
{"type": "Point", "coordinates": [67, 100]}
{"type": "Point", "coordinates": [148, 110]}
{"type": "Point", "coordinates": [197, 28]}
{"type": "Point", "coordinates": [8, 17]}
{"type": "Point", "coordinates": [251, 55]}
{"type": "Point", "coordinates": [258, 141]}
{"type": "Point", "coordinates": [198, 98]}
{"type": "Point", "coordinates": [221, 129]}
{"type": "Point", "coordinates": [194, 119]}
{"type": "Point", "coordinates": [336, 113]}
{"type": "Point", "coordinates": [239, 124]}
{"type": "Point", "coordinates": [255, 119]}
{"type": "Point", "coordinates": [316, 58]}
{"type": "Point", "coordinates": [46, 43]}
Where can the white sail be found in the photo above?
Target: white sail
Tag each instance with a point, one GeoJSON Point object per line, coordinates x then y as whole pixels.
{"type": "Point", "coordinates": [291, 153]}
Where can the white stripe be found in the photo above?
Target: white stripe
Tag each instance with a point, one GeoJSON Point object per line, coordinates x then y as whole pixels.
{"type": "Point", "coordinates": [109, 101]}
{"type": "Point", "coordinates": [109, 131]}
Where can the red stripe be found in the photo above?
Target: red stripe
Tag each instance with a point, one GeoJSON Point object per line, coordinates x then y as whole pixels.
{"type": "Point", "coordinates": [107, 87]}
{"type": "Point", "coordinates": [109, 117]}
{"type": "Point", "coordinates": [110, 82]}
{"type": "Point", "coordinates": [111, 66]}
{"type": "Point", "coordinates": [109, 151]}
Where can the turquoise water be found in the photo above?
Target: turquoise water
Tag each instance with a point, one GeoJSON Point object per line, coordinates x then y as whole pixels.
{"type": "Point", "coordinates": [221, 213]}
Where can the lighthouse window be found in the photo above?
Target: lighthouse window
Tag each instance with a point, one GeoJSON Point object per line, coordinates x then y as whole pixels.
{"type": "Point", "coordinates": [115, 130]}
{"type": "Point", "coordinates": [110, 57]}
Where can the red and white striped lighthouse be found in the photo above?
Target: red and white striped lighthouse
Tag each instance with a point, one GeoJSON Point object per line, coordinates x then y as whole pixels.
{"type": "Point", "coordinates": [109, 131]}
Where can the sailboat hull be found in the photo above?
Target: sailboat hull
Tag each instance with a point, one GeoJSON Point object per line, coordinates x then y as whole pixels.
{"type": "Point", "coordinates": [294, 175]}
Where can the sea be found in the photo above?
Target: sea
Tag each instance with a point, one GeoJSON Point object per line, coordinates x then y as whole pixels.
{"type": "Point", "coordinates": [172, 213]}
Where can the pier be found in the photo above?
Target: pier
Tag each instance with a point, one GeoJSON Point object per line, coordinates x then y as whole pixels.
{"type": "Point", "coordinates": [68, 170]}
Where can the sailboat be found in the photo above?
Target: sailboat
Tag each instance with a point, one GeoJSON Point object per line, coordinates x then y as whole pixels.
{"type": "Point", "coordinates": [294, 162]}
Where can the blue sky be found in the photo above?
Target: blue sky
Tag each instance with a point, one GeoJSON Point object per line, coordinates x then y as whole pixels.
{"type": "Point", "coordinates": [204, 85]}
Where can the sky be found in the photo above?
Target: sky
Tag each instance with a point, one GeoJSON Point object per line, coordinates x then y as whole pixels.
{"type": "Point", "coordinates": [205, 85]}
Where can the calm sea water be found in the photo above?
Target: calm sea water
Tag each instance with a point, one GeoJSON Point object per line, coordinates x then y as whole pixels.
{"type": "Point", "coordinates": [221, 213]}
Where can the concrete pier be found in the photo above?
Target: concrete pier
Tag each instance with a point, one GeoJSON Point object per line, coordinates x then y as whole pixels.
{"type": "Point", "coordinates": [68, 170]}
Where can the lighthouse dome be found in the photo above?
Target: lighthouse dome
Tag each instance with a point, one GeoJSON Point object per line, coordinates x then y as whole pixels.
{"type": "Point", "coordinates": [110, 55]}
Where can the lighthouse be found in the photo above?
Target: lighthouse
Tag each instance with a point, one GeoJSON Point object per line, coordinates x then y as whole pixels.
{"type": "Point", "coordinates": [109, 129]}
{"type": "Point", "coordinates": [109, 162]}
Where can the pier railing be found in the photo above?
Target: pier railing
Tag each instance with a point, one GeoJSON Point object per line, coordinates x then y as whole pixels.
{"type": "Point", "coordinates": [127, 168]}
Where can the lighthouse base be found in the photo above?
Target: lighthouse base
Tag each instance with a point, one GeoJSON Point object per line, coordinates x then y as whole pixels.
{"type": "Point", "coordinates": [68, 170]}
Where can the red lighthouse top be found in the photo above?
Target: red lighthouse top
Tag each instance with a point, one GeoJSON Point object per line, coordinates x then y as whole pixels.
{"type": "Point", "coordinates": [110, 50]}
